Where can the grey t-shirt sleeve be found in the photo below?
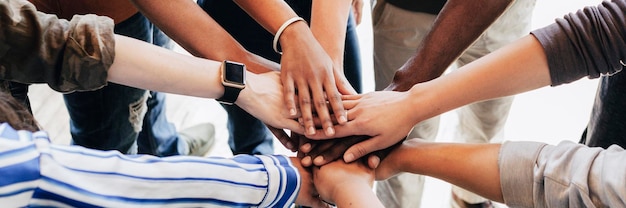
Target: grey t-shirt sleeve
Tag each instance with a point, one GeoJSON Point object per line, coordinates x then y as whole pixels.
{"type": "Point", "coordinates": [590, 42]}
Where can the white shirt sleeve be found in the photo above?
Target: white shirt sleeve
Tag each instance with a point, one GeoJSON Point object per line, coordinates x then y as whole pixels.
{"type": "Point", "coordinates": [44, 174]}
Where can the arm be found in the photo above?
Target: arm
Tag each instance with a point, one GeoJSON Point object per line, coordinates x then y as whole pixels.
{"type": "Point", "coordinates": [77, 174]}
{"type": "Point", "coordinates": [577, 46]}
{"type": "Point", "coordinates": [389, 116]}
{"type": "Point", "coordinates": [305, 66]}
{"type": "Point", "coordinates": [83, 54]}
{"type": "Point", "coordinates": [346, 184]}
{"type": "Point", "coordinates": [167, 71]}
{"type": "Point", "coordinates": [471, 166]}
{"type": "Point", "coordinates": [457, 26]}
{"type": "Point", "coordinates": [187, 24]}
{"type": "Point", "coordinates": [328, 25]}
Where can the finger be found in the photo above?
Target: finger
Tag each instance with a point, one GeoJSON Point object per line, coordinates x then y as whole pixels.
{"type": "Point", "coordinates": [343, 85]}
{"type": "Point", "coordinates": [351, 97]}
{"type": "Point", "coordinates": [292, 125]}
{"type": "Point", "coordinates": [361, 149]}
{"type": "Point", "coordinates": [282, 136]}
{"type": "Point", "coordinates": [316, 155]}
{"type": "Point", "coordinates": [345, 130]}
{"type": "Point", "coordinates": [289, 93]}
{"type": "Point", "coordinates": [349, 104]}
{"type": "Point", "coordinates": [320, 105]}
{"type": "Point", "coordinates": [373, 161]}
{"type": "Point", "coordinates": [304, 99]}
{"type": "Point", "coordinates": [333, 149]}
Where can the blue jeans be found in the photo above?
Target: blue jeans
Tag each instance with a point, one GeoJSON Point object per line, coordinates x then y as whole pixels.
{"type": "Point", "coordinates": [248, 135]}
{"type": "Point", "coordinates": [112, 118]}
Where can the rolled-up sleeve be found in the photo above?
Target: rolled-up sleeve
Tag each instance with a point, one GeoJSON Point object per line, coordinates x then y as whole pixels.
{"type": "Point", "coordinates": [69, 56]}
{"type": "Point", "coordinates": [588, 43]}
{"type": "Point", "coordinates": [566, 175]}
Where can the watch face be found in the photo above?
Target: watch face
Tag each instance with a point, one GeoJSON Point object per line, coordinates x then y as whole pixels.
{"type": "Point", "coordinates": [234, 73]}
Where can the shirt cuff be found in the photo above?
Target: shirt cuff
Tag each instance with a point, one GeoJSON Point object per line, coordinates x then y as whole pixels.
{"type": "Point", "coordinates": [283, 181]}
{"type": "Point", "coordinates": [517, 162]}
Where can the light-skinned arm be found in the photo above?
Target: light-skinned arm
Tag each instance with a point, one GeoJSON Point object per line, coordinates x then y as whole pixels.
{"type": "Point", "coordinates": [167, 71]}
{"type": "Point", "coordinates": [346, 184]}
{"type": "Point", "coordinates": [388, 116]}
{"type": "Point", "coordinates": [457, 26]}
{"type": "Point", "coordinates": [471, 166]}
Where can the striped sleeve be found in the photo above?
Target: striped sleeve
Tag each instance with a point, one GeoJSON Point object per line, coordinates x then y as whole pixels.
{"type": "Point", "coordinates": [72, 176]}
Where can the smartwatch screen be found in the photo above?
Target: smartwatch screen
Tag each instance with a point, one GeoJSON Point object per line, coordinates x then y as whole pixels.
{"type": "Point", "coordinates": [234, 72]}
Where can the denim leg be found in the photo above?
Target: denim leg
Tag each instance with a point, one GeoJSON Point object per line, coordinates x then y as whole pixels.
{"type": "Point", "coordinates": [352, 56]}
{"type": "Point", "coordinates": [247, 135]}
{"type": "Point", "coordinates": [112, 117]}
{"type": "Point", "coordinates": [106, 119]}
{"type": "Point", "coordinates": [158, 136]}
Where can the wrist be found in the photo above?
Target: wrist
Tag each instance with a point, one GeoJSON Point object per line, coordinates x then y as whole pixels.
{"type": "Point", "coordinates": [288, 23]}
{"type": "Point", "coordinates": [298, 32]}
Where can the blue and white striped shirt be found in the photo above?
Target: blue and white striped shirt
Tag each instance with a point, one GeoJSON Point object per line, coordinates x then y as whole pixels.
{"type": "Point", "coordinates": [35, 172]}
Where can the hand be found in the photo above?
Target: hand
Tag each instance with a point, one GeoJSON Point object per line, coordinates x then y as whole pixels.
{"type": "Point", "coordinates": [308, 194]}
{"type": "Point", "coordinates": [385, 116]}
{"type": "Point", "coordinates": [337, 177]}
{"type": "Point", "coordinates": [357, 10]}
{"type": "Point", "coordinates": [263, 99]}
{"type": "Point", "coordinates": [284, 139]}
{"type": "Point", "coordinates": [308, 69]}
{"type": "Point", "coordinates": [320, 153]}
{"type": "Point", "coordinates": [404, 78]}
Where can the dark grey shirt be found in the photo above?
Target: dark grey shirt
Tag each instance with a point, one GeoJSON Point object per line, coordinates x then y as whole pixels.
{"type": "Point", "coordinates": [590, 42]}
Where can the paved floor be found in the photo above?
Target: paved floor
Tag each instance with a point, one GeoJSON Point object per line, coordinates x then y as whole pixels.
{"type": "Point", "coordinates": [548, 114]}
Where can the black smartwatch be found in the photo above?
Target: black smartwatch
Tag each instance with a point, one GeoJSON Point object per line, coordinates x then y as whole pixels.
{"type": "Point", "coordinates": [234, 80]}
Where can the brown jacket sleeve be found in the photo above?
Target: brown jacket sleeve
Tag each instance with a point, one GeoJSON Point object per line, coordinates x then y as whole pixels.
{"type": "Point", "coordinates": [40, 48]}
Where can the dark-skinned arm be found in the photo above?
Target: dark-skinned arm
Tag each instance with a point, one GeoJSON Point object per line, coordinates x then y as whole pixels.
{"type": "Point", "coordinates": [457, 26]}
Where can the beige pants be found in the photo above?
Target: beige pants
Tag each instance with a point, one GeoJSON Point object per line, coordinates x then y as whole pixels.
{"type": "Point", "coordinates": [397, 33]}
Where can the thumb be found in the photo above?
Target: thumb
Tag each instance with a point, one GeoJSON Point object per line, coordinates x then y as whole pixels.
{"type": "Point", "coordinates": [361, 149]}
{"type": "Point", "coordinates": [344, 86]}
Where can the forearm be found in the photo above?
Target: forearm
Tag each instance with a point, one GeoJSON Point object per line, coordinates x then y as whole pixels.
{"type": "Point", "coordinates": [187, 24]}
{"type": "Point", "coordinates": [357, 194]}
{"type": "Point", "coordinates": [457, 26]}
{"type": "Point", "coordinates": [471, 166]}
{"type": "Point", "coordinates": [516, 68]}
{"type": "Point", "coordinates": [272, 14]}
{"type": "Point", "coordinates": [163, 70]}
{"type": "Point", "coordinates": [328, 25]}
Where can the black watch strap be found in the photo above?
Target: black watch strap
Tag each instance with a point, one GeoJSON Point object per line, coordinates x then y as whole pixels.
{"type": "Point", "coordinates": [230, 95]}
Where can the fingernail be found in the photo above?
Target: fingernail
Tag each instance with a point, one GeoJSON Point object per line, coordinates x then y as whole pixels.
{"type": "Point", "coordinates": [318, 160]}
{"type": "Point", "coordinates": [311, 131]}
{"type": "Point", "coordinates": [305, 148]}
{"type": "Point", "coordinates": [348, 157]}
{"type": "Point", "coordinates": [292, 112]}
{"type": "Point", "coordinates": [306, 161]}
{"type": "Point", "coordinates": [343, 119]}
{"type": "Point", "coordinates": [330, 131]}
